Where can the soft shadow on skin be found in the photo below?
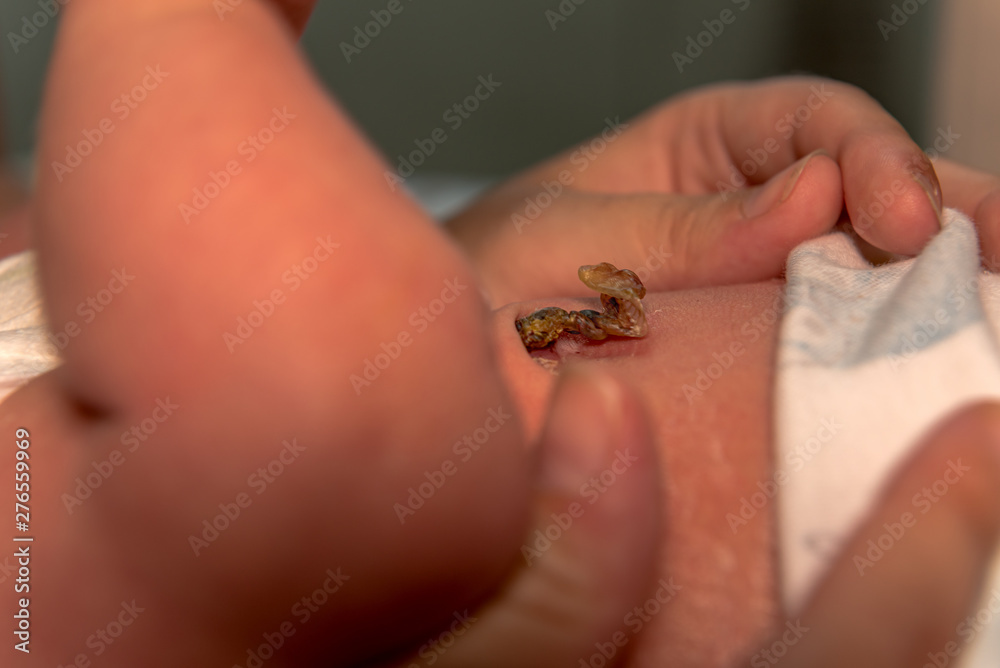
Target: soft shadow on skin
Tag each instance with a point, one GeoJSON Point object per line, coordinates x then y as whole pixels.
{"type": "Point", "coordinates": [14, 215]}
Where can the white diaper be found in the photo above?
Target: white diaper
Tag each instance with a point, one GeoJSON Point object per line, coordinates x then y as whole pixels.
{"type": "Point", "coordinates": [869, 358]}
{"type": "Point", "coordinates": [25, 349]}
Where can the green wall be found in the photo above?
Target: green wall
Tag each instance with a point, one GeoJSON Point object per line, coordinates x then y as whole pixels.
{"type": "Point", "coordinates": [559, 79]}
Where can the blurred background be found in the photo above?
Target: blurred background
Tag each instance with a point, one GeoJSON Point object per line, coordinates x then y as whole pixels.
{"type": "Point", "coordinates": [565, 65]}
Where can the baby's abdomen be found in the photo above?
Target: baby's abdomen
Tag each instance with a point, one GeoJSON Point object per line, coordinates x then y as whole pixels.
{"type": "Point", "coordinates": [707, 372]}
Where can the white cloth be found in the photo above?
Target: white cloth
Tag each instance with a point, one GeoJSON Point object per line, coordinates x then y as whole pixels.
{"type": "Point", "coordinates": [869, 358]}
{"type": "Point", "coordinates": [25, 349]}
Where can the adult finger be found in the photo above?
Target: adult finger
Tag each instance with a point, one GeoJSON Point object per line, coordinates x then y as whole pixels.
{"type": "Point", "coordinates": [891, 191]}
{"type": "Point", "coordinates": [977, 194]}
{"type": "Point", "coordinates": [707, 140]}
{"type": "Point", "coordinates": [672, 241]}
{"type": "Point", "coordinates": [913, 572]}
{"type": "Point", "coordinates": [589, 556]}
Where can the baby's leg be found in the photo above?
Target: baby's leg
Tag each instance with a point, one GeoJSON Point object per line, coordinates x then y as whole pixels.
{"type": "Point", "coordinates": [192, 169]}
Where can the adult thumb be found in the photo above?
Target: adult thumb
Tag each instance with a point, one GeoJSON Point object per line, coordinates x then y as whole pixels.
{"type": "Point", "coordinates": [590, 554]}
{"type": "Point", "coordinates": [898, 594]}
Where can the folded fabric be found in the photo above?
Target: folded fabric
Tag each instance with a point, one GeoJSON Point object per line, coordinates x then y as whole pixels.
{"type": "Point", "coordinates": [869, 358]}
{"type": "Point", "coordinates": [25, 348]}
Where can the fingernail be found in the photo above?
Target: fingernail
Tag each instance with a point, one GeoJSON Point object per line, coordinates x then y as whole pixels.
{"type": "Point", "coordinates": [777, 189]}
{"type": "Point", "coordinates": [933, 191]}
{"type": "Point", "coordinates": [581, 430]}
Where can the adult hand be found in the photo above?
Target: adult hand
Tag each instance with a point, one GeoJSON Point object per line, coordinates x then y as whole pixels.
{"type": "Point", "coordinates": [716, 186]}
{"type": "Point", "coordinates": [914, 601]}
{"type": "Point", "coordinates": [591, 550]}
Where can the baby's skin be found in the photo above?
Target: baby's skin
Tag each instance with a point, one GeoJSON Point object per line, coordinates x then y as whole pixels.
{"type": "Point", "coordinates": [270, 457]}
{"type": "Point", "coordinates": [714, 449]}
